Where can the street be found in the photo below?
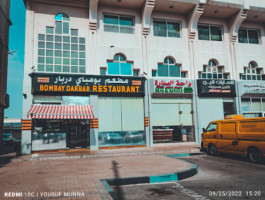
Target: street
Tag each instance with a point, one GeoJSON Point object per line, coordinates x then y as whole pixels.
{"type": "Point", "coordinates": [78, 174]}
{"type": "Point", "coordinates": [224, 177]}
{"type": "Point", "coordinates": [63, 176]}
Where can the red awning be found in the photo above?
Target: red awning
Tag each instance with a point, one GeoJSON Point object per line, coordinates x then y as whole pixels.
{"type": "Point", "coordinates": [61, 112]}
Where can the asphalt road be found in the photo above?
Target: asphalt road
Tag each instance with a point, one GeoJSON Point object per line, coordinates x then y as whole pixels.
{"type": "Point", "coordinates": [221, 178]}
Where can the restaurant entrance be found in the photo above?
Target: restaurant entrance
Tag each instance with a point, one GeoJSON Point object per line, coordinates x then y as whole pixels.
{"type": "Point", "coordinates": [78, 134]}
{"type": "Point", "coordinates": [57, 127]}
{"type": "Point", "coordinates": [51, 134]}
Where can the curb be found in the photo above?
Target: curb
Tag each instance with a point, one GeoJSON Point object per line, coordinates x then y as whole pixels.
{"type": "Point", "coordinates": [107, 183]}
{"type": "Point", "coordinates": [36, 158]}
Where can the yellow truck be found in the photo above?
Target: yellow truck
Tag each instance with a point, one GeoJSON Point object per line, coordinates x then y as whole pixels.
{"type": "Point", "coordinates": [236, 135]}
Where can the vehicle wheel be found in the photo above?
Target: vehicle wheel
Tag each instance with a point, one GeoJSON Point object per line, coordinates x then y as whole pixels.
{"type": "Point", "coordinates": [254, 155]}
{"type": "Point", "coordinates": [212, 150]}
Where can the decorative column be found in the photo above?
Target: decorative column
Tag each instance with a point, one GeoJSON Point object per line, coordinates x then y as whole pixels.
{"type": "Point", "coordinates": [146, 23]}
{"type": "Point", "coordinates": [92, 48]}
{"type": "Point", "coordinates": [234, 25]}
{"type": "Point", "coordinates": [28, 65]}
{"type": "Point", "coordinates": [192, 31]}
{"type": "Point", "coordinates": [94, 123]}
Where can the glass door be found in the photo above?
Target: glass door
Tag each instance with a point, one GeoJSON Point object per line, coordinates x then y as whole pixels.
{"type": "Point", "coordinates": [229, 108]}
{"type": "Point", "coordinates": [79, 134]}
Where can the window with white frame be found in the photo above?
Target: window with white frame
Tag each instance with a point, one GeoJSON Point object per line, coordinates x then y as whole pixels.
{"type": "Point", "coordinates": [165, 28]}
{"type": "Point", "coordinates": [252, 107]}
{"type": "Point", "coordinates": [209, 32]}
{"type": "Point", "coordinates": [168, 69]}
{"type": "Point", "coordinates": [212, 71]}
{"type": "Point", "coordinates": [118, 24]}
{"type": "Point", "coordinates": [250, 36]}
{"type": "Point", "coordinates": [61, 49]}
{"type": "Point", "coordinates": [119, 66]}
{"type": "Point", "coordinates": [252, 72]}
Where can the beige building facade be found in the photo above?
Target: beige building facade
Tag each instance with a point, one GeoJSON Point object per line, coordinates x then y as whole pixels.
{"type": "Point", "coordinates": [191, 53]}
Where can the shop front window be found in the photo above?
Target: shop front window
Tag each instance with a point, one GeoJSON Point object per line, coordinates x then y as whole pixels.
{"type": "Point", "coordinates": [121, 121]}
{"type": "Point", "coordinates": [256, 105]}
{"type": "Point", "coordinates": [60, 49]}
{"type": "Point", "coordinates": [253, 107]}
{"type": "Point", "coordinates": [246, 105]}
{"type": "Point", "coordinates": [51, 134]}
{"type": "Point", "coordinates": [171, 119]}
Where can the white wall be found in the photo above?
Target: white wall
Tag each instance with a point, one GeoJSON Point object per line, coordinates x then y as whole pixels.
{"type": "Point", "coordinates": [160, 47]}
{"type": "Point", "coordinates": [218, 50]}
{"type": "Point", "coordinates": [209, 109]}
{"type": "Point", "coordinates": [251, 52]}
{"type": "Point", "coordinates": [128, 44]}
{"type": "Point", "coordinates": [42, 15]}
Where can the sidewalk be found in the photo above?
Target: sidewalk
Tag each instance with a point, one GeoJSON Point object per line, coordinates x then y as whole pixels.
{"type": "Point", "coordinates": [54, 174]}
{"type": "Point", "coordinates": [162, 148]}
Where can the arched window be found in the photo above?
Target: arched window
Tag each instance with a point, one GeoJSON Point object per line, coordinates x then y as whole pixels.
{"type": "Point", "coordinates": [213, 71]}
{"type": "Point", "coordinates": [61, 49]}
{"type": "Point", "coordinates": [168, 68]}
{"type": "Point", "coordinates": [252, 64]}
{"type": "Point", "coordinates": [119, 58]}
{"type": "Point", "coordinates": [62, 24]}
{"type": "Point", "coordinates": [212, 63]}
{"type": "Point", "coordinates": [252, 72]}
{"type": "Point", "coordinates": [119, 66]}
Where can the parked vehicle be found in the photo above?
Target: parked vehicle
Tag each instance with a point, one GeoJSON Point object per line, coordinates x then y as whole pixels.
{"type": "Point", "coordinates": [114, 138]}
{"type": "Point", "coordinates": [236, 135]}
{"type": "Point", "coordinates": [18, 139]}
{"type": "Point", "coordinates": [134, 137]}
{"type": "Point", "coordinates": [7, 138]}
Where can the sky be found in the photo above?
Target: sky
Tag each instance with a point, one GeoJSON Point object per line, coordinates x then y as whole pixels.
{"type": "Point", "coordinates": [16, 61]}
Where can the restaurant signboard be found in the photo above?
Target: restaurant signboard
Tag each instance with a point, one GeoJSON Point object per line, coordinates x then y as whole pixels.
{"type": "Point", "coordinates": [77, 84]}
{"type": "Point", "coordinates": [172, 86]}
{"type": "Point", "coordinates": [216, 88]}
